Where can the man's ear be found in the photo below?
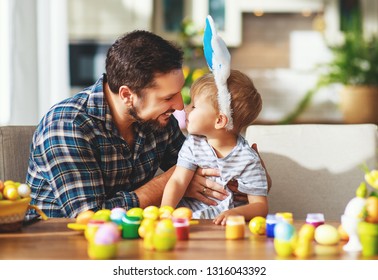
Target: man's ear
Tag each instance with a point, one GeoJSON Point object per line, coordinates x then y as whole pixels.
{"type": "Point", "coordinates": [221, 121]}
{"type": "Point", "coordinates": [126, 94]}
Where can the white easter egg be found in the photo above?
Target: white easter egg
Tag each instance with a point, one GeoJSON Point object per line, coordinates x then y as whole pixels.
{"type": "Point", "coordinates": [354, 207]}
{"type": "Point", "coordinates": [326, 235]}
{"type": "Point", "coordinates": [24, 190]}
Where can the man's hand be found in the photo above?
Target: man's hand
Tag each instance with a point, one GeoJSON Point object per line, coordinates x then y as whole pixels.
{"type": "Point", "coordinates": [238, 196]}
{"type": "Point", "coordinates": [233, 185]}
{"type": "Point", "coordinates": [204, 189]}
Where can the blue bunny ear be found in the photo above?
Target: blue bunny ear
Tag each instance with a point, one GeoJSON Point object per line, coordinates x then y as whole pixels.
{"type": "Point", "coordinates": [218, 59]}
{"type": "Point", "coordinates": [207, 48]}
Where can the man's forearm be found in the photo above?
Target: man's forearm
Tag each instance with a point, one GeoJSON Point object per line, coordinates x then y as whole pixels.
{"type": "Point", "coordinates": [152, 192]}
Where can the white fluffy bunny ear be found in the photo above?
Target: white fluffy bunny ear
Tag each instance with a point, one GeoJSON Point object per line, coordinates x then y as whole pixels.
{"type": "Point", "coordinates": [218, 59]}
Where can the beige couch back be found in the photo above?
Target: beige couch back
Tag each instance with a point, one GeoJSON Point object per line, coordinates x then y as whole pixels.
{"type": "Point", "coordinates": [14, 151]}
{"type": "Point", "coordinates": [314, 168]}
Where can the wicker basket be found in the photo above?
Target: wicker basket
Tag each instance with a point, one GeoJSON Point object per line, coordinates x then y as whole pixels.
{"type": "Point", "coordinates": [12, 214]}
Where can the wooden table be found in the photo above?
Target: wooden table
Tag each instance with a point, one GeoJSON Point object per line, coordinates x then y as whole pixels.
{"type": "Point", "coordinates": [52, 240]}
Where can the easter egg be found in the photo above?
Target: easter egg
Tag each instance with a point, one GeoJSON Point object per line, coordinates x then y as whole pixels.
{"type": "Point", "coordinates": [102, 215]}
{"type": "Point", "coordinates": [354, 207]}
{"type": "Point", "coordinates": [9, 182]}
{"type": "Point", "coordinates": [182, 212]}
{"type": "Point", "coordinates": [10, 192]}
{"type": "Point", "coordinates": [102, 252]}
{"type": "Point", "coordinates": [257, 225]}
{"type": "Point", "coordinates": [326, 235]}
{"type": "Point", "coordinates": [145, 226]}
{"type": "Point", "coordinates": [24, 190]}
{"type": "Point", "coordinates": [135, 212]}
{"type": "Point", "coordinates": [371, 208]}
{"type": "Point", "coordinates": [283, 248]}
{"type": "Point", "coordinates": [164, 242]}
{"type": "Point", "coordinates": [306, 232]}
{"type": "Point", "coordinates": [165, 227]}
{"type": "Point", "coordinates": [165, 212]}
{"type": "Point", "coordinates": [284, 231]}
{"type": "Point", "coordinates": [91, 229]}
{"type": "Point", "coordinates": [84, 217]}
{"type": "Point", "coordinates": [164, 237]}
{"type": "Point", "coordinates": [151, 212]}
{"type": "Point", "coordinates": [117, 214]}
{"type": "Point", "coordinates": [107, 233]}
{"type": "Point", "coordinates": [148, 240]}
{"type": "Point", "coordinates": [343, 234]}
{"type": "Point", "coordinates": [303, 248]}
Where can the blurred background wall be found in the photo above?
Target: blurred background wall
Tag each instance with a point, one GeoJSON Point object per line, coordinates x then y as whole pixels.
{"type": "Point", "coordinates": [52, 49]}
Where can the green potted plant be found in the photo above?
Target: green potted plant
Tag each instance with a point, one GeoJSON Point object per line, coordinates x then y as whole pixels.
{"type": "Point", "coordinates": [355, 66]}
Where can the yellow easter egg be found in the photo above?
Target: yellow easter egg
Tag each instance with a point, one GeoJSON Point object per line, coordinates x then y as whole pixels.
{"type": "Point", "coordinates": [101, 252]}
{"type": "Point", "coordinates": [102, 215]}
{"type": "Point", "coordinates": [257, 225]}
{"type": "Point", "coordinates": [165, 226]}
{"type": "Point", "coordinates": [307, 232]}
{"type": "Point", "coordinates": [326, 235]}
{"type": "Point", "coordinates": [303, 248]}
{"type": "Point", "coordinates": [148, 241]}
{"type": "Point", "coordinates": [165, 212]}
{"type": "Point", "coordinates": [145, 226]}
{"type": "Point", "coordinates": [151, 212]}
{"type": "Point", "coordinates": [343, 234]}
{"type": "Point", "coordinates": [135, 212]}
{"type": "Point", "coordinates": [283, 248]}
{"type": "Point", "coordinates": [10, 192]}
{"type": "Point", "coordinates": [182, 212]}
{"type": "Point", "coordinates": [84, 217]}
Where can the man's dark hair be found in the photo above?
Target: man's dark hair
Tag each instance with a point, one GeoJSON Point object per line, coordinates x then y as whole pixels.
{"type": "Point", "coordinates": [135, 58]}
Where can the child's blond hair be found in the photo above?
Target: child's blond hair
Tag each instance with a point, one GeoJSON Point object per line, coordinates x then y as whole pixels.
{"type": "Point", "coordinates": [246, 102]}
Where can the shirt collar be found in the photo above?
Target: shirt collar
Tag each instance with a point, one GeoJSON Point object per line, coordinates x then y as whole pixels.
{"type": "Point", "coordinates": [97, 106]}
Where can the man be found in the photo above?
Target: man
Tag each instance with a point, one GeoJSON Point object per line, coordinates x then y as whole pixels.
{"type": "Point", "coordinates": [102, 147]}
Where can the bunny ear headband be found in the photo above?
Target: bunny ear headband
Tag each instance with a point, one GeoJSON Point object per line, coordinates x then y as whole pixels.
{"type": "Point", "coordinates": [218, 60]}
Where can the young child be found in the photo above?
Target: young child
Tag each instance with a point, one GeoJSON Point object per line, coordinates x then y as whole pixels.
{"type": "Point", "coordinates": [210, 144]}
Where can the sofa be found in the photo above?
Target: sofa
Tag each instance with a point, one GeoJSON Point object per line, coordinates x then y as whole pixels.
{"type": "Point", "coordinates": [14, 151]}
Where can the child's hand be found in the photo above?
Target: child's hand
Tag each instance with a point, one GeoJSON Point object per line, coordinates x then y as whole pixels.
{"type": "Point", "coordinates": [222, 217]}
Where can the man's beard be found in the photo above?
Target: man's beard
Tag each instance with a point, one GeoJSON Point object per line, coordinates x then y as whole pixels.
{"type": "Point", "coordinates": [153, 125]}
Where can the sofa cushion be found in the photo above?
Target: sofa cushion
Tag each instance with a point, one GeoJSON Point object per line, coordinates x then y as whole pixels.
{"type": "Point", "coordinates": [14, 151]}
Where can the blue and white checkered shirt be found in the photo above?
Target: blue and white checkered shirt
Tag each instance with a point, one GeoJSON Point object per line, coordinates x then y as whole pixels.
{"type": "Point", "coordinates": [79, 161]}
{"type": "Point", "coordinates": [242, 164]}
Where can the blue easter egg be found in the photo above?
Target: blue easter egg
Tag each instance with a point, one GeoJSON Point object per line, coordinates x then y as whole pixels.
{"type": "Point", "coordinates": [284, 231]}
{"type": "Point", "coordinates": [117, 214]}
